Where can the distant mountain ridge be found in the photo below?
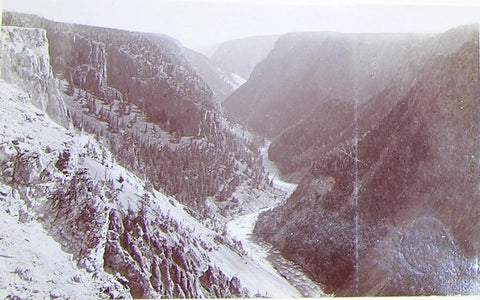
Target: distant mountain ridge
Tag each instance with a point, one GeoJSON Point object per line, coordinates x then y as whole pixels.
{"type": "Point", "coordinates": [314, 131]}
{"type": "Point", "coordinates": [307, 69]}
{"type": "Point", "coordinates": [242, 55]}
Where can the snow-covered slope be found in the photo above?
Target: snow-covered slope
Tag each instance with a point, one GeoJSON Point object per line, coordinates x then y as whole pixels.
{"type": "Point", "coordinates": [33, 263]}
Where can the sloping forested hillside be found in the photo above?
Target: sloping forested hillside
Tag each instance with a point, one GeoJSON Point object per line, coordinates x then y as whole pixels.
{"type": "Point", "coordinates": [139, 93]}
{"type": "Point", "coordinates": [408, 192]}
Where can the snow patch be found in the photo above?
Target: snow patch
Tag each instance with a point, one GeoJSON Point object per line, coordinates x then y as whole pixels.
{"type": "Point", "coordinates": [234, 80]}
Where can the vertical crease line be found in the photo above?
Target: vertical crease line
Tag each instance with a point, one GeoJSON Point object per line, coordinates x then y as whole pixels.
{"type": "Point", "coordinates": [356, 183]}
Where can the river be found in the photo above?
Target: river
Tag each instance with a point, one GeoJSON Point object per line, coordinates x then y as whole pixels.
{"type": "Point", "coordinates": [241, 229]}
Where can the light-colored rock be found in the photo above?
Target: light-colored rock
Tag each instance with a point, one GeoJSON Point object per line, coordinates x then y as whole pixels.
{"type": "Point", "coordinates": [25, 61]}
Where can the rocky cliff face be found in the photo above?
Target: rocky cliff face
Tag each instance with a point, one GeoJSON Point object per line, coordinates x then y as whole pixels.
{"type": "Point", "coordinates": [26, 62]}
{"type": "Point", "coordinates": [147, 70]}
{"type": "Point", "coordinates": [89, 66]}
{"type": "Point", "coordinates": [398, 216]}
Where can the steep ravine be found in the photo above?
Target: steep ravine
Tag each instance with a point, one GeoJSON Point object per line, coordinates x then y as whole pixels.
{"type": "Point", "coordinates": [241, 228]}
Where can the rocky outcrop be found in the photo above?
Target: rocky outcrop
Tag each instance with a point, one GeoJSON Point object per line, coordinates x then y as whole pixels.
{"type": "Point", "coordinates": [25, 62]}
{"type": "Point", "coordinates": [215, 282]}
{"type": "Point", "coordinates": [90, 65]}
{"type": "Point", "coordinates": [147, 70]}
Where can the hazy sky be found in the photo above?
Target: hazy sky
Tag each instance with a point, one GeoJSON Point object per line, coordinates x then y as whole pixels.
{"type": "Point", "coordinates": [200, 23]}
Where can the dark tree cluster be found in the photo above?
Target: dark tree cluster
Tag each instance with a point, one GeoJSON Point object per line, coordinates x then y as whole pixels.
{"type": "Point", "coordinates": [189, 168]}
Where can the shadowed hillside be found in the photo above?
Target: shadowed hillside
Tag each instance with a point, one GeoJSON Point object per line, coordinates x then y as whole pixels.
{"type": "Point", "coordinates": [413, 190]}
